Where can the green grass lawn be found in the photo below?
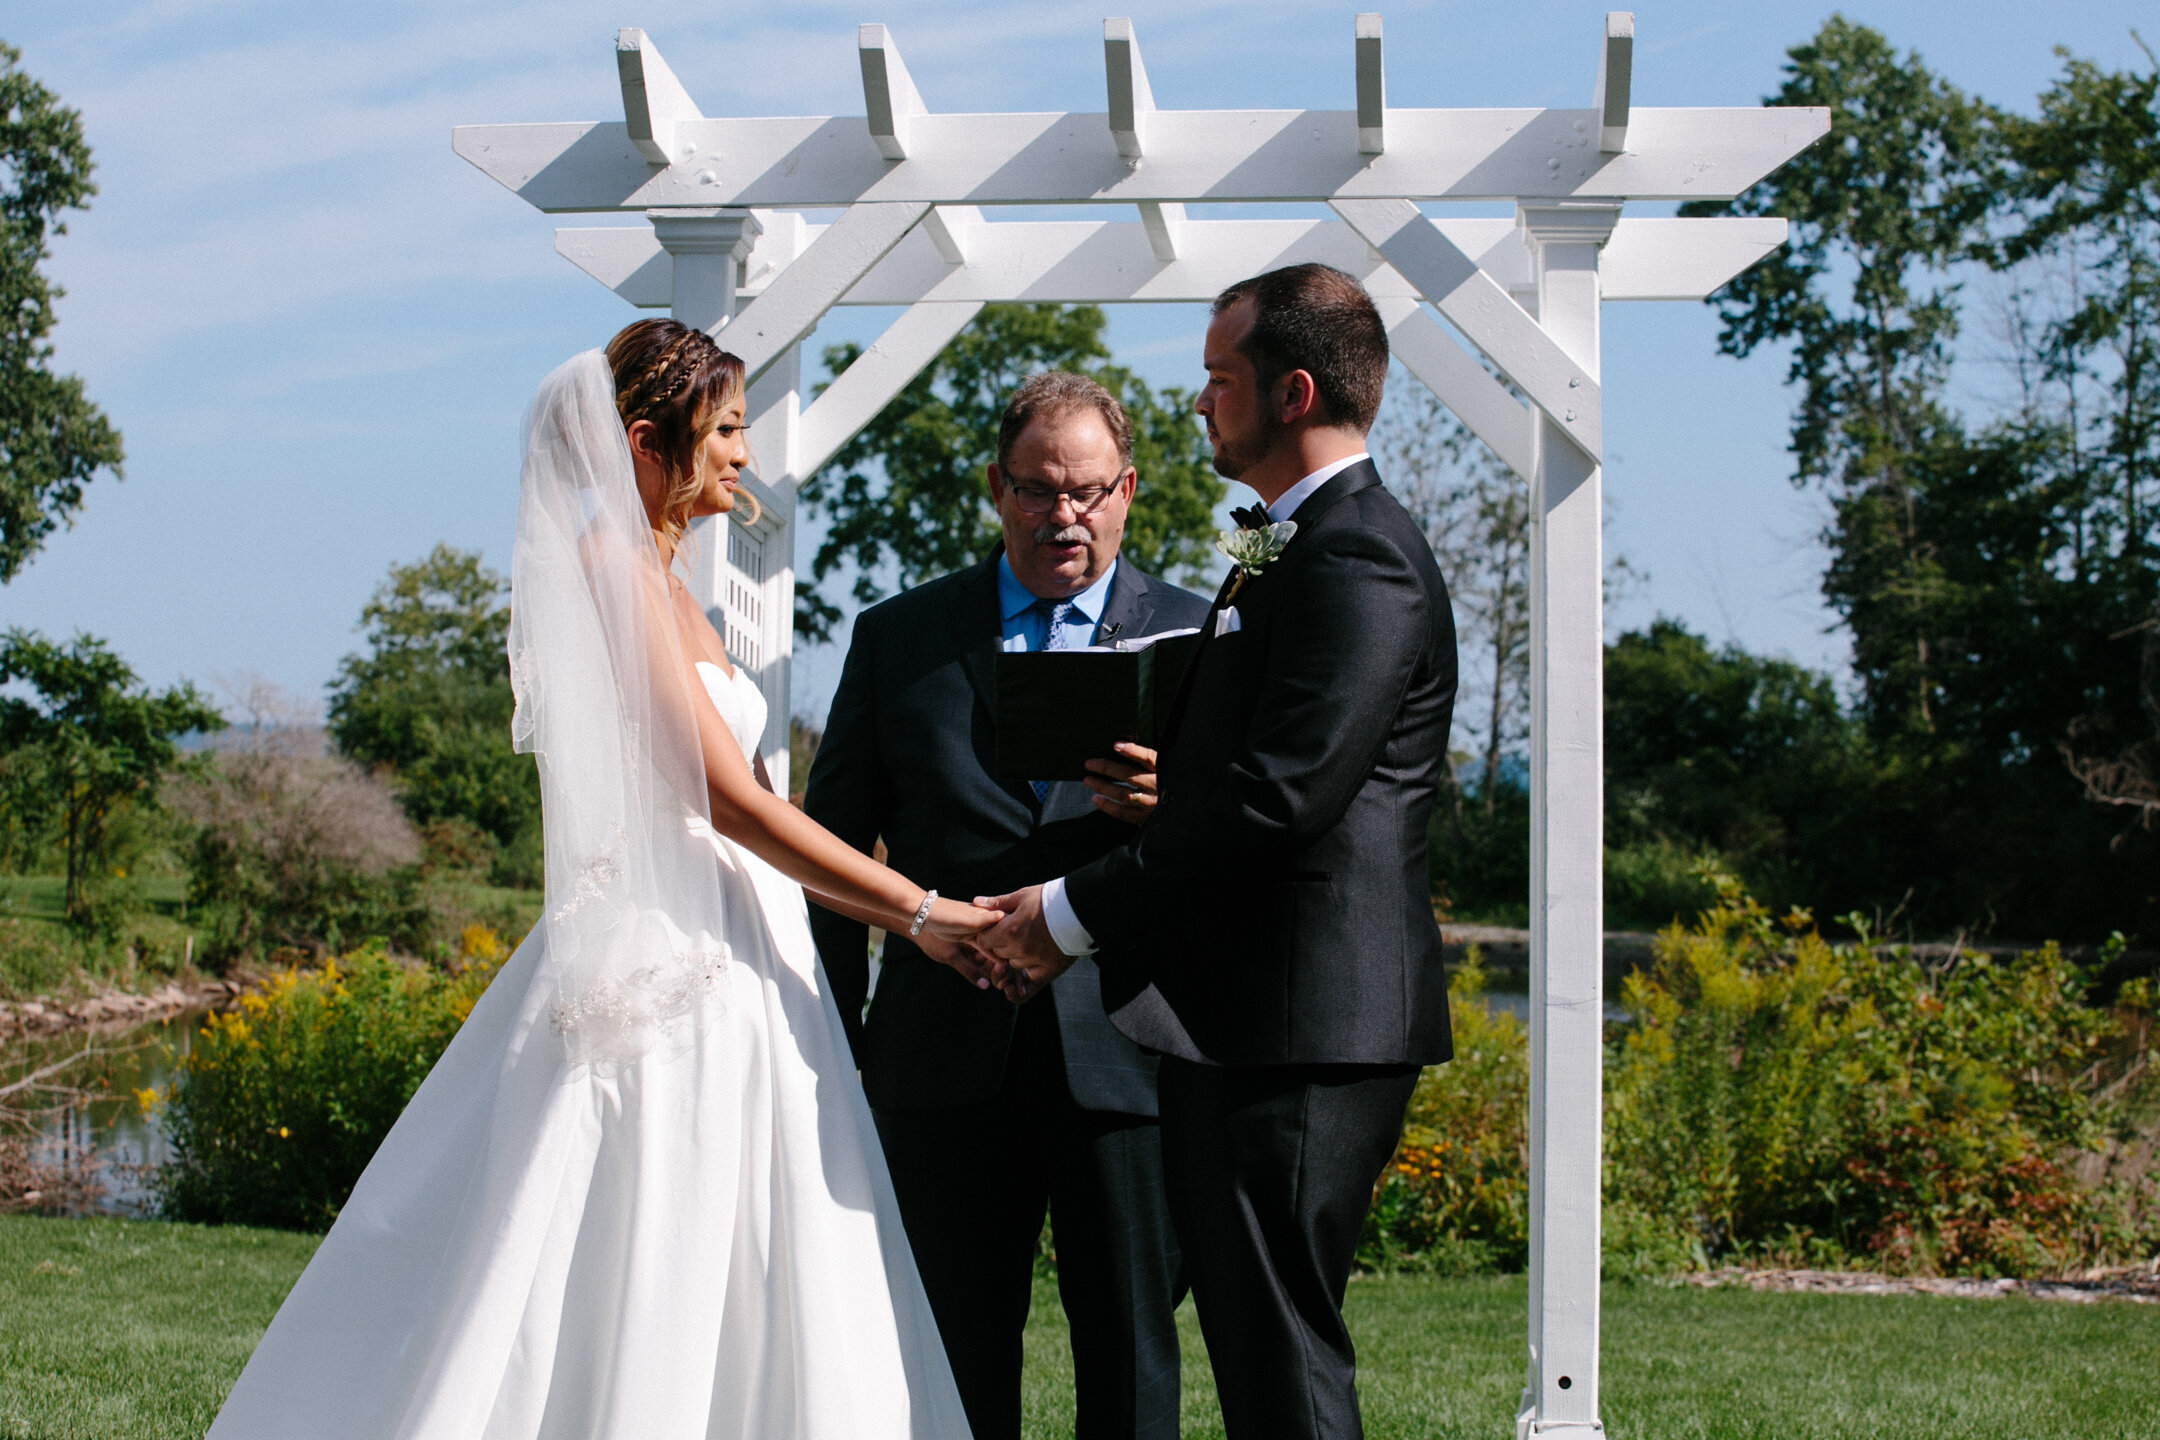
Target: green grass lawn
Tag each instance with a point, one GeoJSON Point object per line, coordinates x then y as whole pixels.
{"type": "Point", "coordinates": [126, 1329]}
{"type": "Point", "coordinates": [44, 897]}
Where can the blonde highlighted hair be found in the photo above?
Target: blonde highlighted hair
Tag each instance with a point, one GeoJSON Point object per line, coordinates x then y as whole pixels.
{"type": "Point", "coordinates": [680, 379]}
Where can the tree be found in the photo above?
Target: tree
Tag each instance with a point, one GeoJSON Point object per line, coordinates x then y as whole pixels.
{"type": "Point", "coordinates": [1475, 513]}
{"type": "Point", "coordinates": [432, 700]}
{"type": "Point", "coordinates": [52, 439]}
{"type": "Point", "coordinates": [2083, 181]}
{"type": "Point", "coordinates": [908, 491]}
{"type": "Point", "coordinates": [1879, 210]}
{"type": "Point", "coordinates": [1988, 570]}
{"type": "Point", "coordinates": [2085, 178]}
{"type": "Point", "coordinates": [1747, 756]}
{"type": "Point", "coordinates": [97, 739]}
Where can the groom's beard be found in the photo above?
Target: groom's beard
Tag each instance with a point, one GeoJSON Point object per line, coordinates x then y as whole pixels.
{"type": "Point", "coordinates": [1233, 458]}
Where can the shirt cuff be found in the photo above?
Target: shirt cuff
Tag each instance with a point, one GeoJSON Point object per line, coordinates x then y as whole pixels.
{"type": "Point", "coordinates": [1065, 927]}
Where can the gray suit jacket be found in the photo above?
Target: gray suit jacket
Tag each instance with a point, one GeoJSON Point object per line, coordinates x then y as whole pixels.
{"type": "Point", "coordinates": [908, 756]}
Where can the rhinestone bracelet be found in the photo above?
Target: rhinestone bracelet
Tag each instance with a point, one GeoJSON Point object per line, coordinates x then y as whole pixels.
{"type": "Point", "coordinates": [922, 913]}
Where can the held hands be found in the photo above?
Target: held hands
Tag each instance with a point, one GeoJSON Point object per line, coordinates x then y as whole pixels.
{"type": "Point", "coordinates": [1020, 956]}
{"type": "Point", "coordinates": [947, 935]}
{"type": "Point", "coordinates": [1126, 785]}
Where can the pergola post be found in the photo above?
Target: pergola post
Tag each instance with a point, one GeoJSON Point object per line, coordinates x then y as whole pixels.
{"type": "Point", "coordinates": [1567, 887]}
{"type": "Point", "coordinates": [708, 248]}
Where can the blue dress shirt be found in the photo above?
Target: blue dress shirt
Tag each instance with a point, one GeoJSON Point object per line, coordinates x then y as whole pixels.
{"type": "Point", "coordinates": [1024, 625]}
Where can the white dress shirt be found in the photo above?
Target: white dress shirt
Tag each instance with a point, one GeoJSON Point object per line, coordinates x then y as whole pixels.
{"type": "Point", "coordinates": [1065, 927]}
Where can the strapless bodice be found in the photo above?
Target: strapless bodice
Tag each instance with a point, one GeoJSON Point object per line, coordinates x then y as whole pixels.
{"type": "Point", "coordinates": [740, 703]}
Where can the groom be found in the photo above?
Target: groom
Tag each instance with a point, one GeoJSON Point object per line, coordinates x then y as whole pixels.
{"type": "Point", "coordinates": [1270, 931]}
{"type": "Point", "coordinates": [987, 1113]}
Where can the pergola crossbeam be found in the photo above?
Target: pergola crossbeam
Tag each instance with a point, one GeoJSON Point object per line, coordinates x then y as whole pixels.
{"type": "Point", "coordinates": [655, 104]}
{"type": "Point", "coordinates": [1371, 88]}
{"type": "Point", "coordinates": [890, 100]}
{"type": "Point", "coordinates": [1132, 102]}
{"type": "Point", "coordinates": [1483, 311]}
{"type": "Point", "coordinates": [1097, 262]}
{"type": "Point", "coordinates": [859, 392]}
{"type": "Point", "coordinates": [1211, 156]}
{"type": "Point", "coordinates": [798, 297]}
{"type": "Point", "coordinates": [1457, 380]}
{"type": "Point", "coordinates": [1615, 79]}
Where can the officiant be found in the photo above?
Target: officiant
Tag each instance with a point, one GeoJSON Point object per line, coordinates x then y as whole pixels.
{"type": "Point", "coordinates": [991, 1114]}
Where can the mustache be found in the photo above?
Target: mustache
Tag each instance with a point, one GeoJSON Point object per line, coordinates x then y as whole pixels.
{"type": "Point", "coordinates": [1074, 534]}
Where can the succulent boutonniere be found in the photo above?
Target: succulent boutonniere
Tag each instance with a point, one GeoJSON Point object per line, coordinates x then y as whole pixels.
{"type": "Point", "coordinates": [1252, 548]}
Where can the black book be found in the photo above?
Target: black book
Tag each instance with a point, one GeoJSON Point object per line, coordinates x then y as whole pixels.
{"type": "Point", "coordinates": [1058, 709]}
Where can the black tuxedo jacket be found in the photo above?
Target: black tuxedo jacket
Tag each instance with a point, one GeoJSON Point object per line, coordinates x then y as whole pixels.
{"type": "Point", "coordinates": [908, 756]}
{"type": "Point", "coordinates": [1277, 907]}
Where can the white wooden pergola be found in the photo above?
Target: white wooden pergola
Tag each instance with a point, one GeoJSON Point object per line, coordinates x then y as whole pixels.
{"type": "Point", "coordinates": [726, 246]}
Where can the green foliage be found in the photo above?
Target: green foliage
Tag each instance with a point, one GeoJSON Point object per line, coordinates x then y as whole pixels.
{"type": "Point", "coordinates": [85, 743]}
{"type": "Point", "coordinates": [431, 700]}
{"type": "Point", "coordinates": [909, 489]}
{"type": "Point", "coordinates": [1780, 1097]}
{"type": "Point", "coordinates": [52, 439]}
{"type": "Point", "coordinates": [1478, 852]}
{"type": "Point", "coordinates": [2085, 176]}
{"type": "Point", "coordinates": [1886, 197]}
{"type": "Point", "coordinates": [306, 854]}
{"type": "Point", "coordinates": [1727, 753]}
{"type": "Point", "coordinates": [1993, 572]}
{"type": "Point", "coordinates": [1455, 1198]}
{"type": "Point", "coordinates": [278, 1105]}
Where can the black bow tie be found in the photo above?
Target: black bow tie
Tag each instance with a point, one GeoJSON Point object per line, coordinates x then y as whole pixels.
{"type": "Point", "coordinates": [1252, 517]}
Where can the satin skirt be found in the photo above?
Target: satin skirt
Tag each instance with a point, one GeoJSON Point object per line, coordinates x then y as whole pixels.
{"type": "Point", "coordinates": [698, 1245]}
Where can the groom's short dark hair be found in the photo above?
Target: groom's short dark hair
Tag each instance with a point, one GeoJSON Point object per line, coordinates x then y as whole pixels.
{"type": "Point", "coordinates": [1316, 319]}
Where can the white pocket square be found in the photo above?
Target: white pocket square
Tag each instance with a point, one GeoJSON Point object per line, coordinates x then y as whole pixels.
{"type": "Point", "coordinates": [1228, 621]}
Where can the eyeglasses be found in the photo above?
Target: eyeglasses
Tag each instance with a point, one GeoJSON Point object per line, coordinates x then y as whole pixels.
{"type": "Point", "coordinates": [1036, 499]}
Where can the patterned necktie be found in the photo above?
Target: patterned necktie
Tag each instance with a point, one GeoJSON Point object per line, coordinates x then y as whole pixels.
{"type": "Point", "coordinates": [1056, 612]}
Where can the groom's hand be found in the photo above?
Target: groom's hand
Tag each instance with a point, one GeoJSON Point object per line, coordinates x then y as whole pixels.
{"type": "Point", "coordinates": [1021, 945]}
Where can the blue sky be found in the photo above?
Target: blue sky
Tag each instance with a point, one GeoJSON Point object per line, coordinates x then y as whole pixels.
{"type": "Point", "coordinates": [317, 327]}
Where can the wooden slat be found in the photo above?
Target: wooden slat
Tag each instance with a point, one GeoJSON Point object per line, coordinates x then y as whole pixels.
{"type": "Point", "coordinates": [1192, 156]}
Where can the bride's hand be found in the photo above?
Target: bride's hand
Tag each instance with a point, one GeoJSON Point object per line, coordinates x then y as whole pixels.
{"type": "Point", "coordinates": [945, 934]}
{"type": "Point", "coordinates": [957, 920]}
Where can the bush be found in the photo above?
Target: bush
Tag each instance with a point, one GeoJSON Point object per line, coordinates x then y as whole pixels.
{"type": "Point", "coordinates": [1779, 1097]}
{"type": "Point", "coordinates": [1652, 883]}
{"type": "Point", "coordinates": [299, 850]}
{"type": "Point", "coordinates": [1479, 856]}
{"type": "Point", "coordinates": [280, 1103]}
{"type": "Point", "coordinates": [35, 958]}
{"type": "Point", "coordinates": [1455, 1197]}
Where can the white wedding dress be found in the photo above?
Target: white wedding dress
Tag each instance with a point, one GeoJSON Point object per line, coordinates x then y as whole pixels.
{"type": "Point", "coordinates": [697, 1242]}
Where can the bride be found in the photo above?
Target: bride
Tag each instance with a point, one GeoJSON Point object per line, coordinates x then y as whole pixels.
{"type": "Point", "coordinates": [639, 1196]}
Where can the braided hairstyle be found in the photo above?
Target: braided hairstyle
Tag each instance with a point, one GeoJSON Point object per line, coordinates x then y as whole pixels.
{"type": "Point", "coordinates": [680, 379]}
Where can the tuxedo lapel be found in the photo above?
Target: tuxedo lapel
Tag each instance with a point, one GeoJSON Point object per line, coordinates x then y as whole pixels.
{"type": "Point", "coordinates": [1129, 612]}
{"type": "Point", "coordinates": [1347, 481]}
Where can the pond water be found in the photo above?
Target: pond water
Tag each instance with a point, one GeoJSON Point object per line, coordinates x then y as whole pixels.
{"type": "Point", "coordinates": [101, 1123]}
